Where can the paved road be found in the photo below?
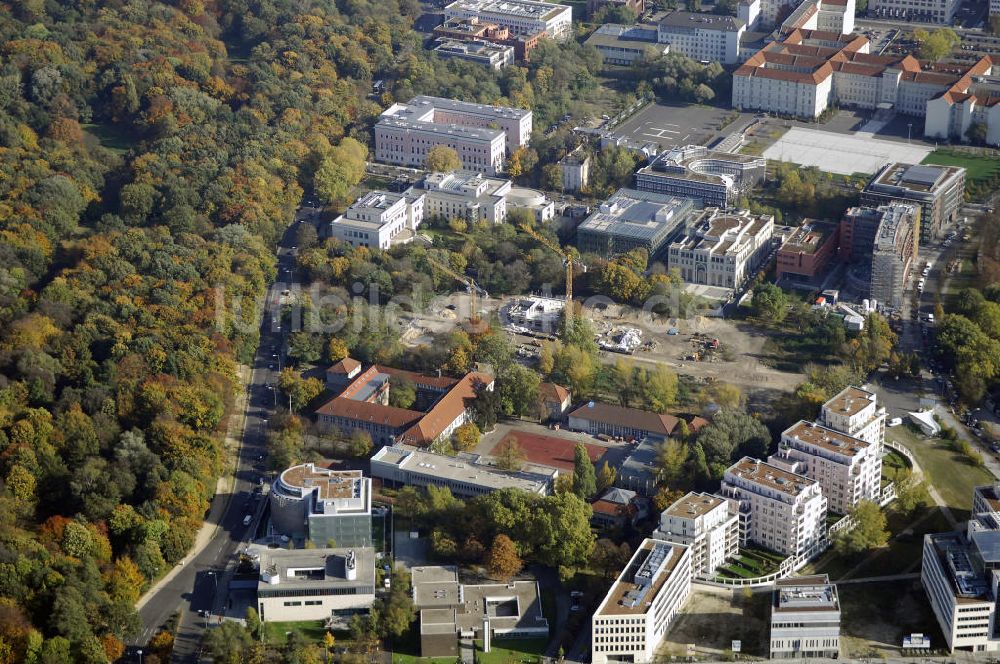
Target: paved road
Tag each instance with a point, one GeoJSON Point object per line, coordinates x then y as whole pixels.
{"type": "Point", "coordinates": [197, 585]}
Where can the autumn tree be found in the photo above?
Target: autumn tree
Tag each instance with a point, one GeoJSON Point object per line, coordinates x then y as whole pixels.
{"type": "Point", "coordinates": [606, 477]}
{"type": "Point", "coordinates": [869, 531]}
{"type": "Point", "coordinates": [509, 455]}
{"type": "Point", "coordinates": [466, 436]}
{"type": "Point", "coordinates": [442, 159]}
{"type": "Point", "coordinates": [299, 390]}
{"type": "Point", "coordinates": [584, 476]}
{"type": "Point", "coordinates": [340, 171]}
{"type": "Point", "coordinates": [502, 559]}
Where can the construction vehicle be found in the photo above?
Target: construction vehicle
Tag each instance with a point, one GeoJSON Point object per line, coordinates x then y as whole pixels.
{"type": "Point", "coordinates": [570, 262]}
{"type": "Point", "coordinates": [476, 323]}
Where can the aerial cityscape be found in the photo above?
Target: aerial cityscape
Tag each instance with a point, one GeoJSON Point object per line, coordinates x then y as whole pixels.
{"type": "Point", "coordinates": [499, 331]}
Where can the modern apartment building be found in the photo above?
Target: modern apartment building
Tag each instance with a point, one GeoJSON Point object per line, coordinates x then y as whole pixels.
{"type": "Point", "coordinates": [722, 249]}
{"type": "Point", "coordinates": [632, 219]}
{"type": "Point", "coordinates": [848, 469]}
{"type": "Point", "coordinates": [927, 11]}
{"type": "Point", "coordinates": [778, 509]}
{"type": "Point", "coordinates": [855, 411]}
{"type": "Point", "coordinates": [707, 524]}
{"type": "Point", "coordinates": [378, 219]}
{"type": "Point", "coordinates": [938, 191]}
{"type": "Point", "coordinates": [894, 253]}
{"type": "Point", "coordinates": [805, 618]}
{"type": "Point", "coordinates": [481, 134]}
{"type": "Point", "coordinates": [703, 37]}
{"type": "Point", "coordinates": [317, 503]}
{"type": "Point", "coordinates": [466, 195]}
{"type": "Point", "coordinates": [314, 584]}
{"type": "Point", "coordinates": [631, 621]}
{"type": "Point", "coordinates": [488, 54]}
{"type": "Point", "coordinates": [466, 477]}
{"type": "Point", "coordinates": [710, 177]}
{"type": "Point", "coordinates": [521, 17]}
{"type": "Point", "coordinates": [808, 252]}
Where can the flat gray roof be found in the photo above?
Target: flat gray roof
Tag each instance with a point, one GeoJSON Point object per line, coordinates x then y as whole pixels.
{"type": "Point", "coordinates": [639, 215]}
{"type": "Point", "coordinates": [682, 19]}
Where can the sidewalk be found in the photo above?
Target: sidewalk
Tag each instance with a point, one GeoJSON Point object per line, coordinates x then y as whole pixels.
{"type": "Point", "coordinates": [223, 491]}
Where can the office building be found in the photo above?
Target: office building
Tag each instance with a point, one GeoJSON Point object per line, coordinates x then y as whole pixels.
{"type": "Point", "coordinates": [598, 418]}
{"type": "Point", "coordinates": [703, 37]}
{"type": "Point", "coordinates": [521, 17]}
{"type": "Point", "coordinates": [314, 584]}
{"type": "Point", "coordinates": [466, 477]}
{"type": "Point", "coordinates": [481, 134]}
{"type": "Point", "coordinates": [807, 253]}
{"type": "Point", "coordinates": [986, 499]}
{"type": "Point", "coordinates": [488, 54]}
{"type": "Point", "coordinates": [778, 510]}
{"type": "Point", "coordinates": [848, 469]}
{"type": "Point", "coordinates": [711, 178]}
{"type": "Point", "coordinates": [707, 524]}
{"type": "Point", "coordinates": [465, 195]}
{"type": "Point", "coordinates": [836, 16]}
{"type": "Point", "coordinates": [575, 168]}
{"type": "Point", "coordinates": [722, 249]}
{"type": "Point", "coordinates": [442, 405]}
{"type": "Point", "coordinates": [467, 29]}
{"type": "Point", "coordinates": [855, 411]}
{"type": "Point", "coordinates": [894, 254]}
{"type": "Point", "coordinates": [316, 503]}
{"type": "Point", "coordinates": [969, 102]}
{"type": "Point", "coordinates": [939, 192]}
{"type": "Point", "coordinates": [449, 609]}
{"type": "Point", "coordinates": [379, 219]}
{"type": "Point", "coordinates": [805, 618]}
{"type": "Point", "coordinates": [632, 219]}
{"type": "Point", "coordinates": [941, 12]}
{"type": "Point", "coordinates": [623, 45]}
{"type": "Point", "coordinates": [632, 620]}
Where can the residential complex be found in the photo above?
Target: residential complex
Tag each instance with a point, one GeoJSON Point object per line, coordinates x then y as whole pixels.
{"type": "Point", "coordinates": [707, 524]}
{"type": "Point", "coordinates": [521, 17]}
{"type": "Point", "coordinates": [894, 254]}
{"type": "Point", "coordinates": [379, 219]}
{"type": "Point", "coordinates": [598, 418]}
{"type": "Point", "coordinates": [807, 253]}
{"type": "Point", "coordinates": [632, 219]}
{"type": "Point", "coordinates": [937, 190]}
{"type": "Point", "coordinates": [704, 37]}
{"type": "Point", "coordinates": [848, 469]}
{"type": "Point", "coordinates": [465, 195]}
{"type": "Point", "coordinates": [778, 509]}
{"type": "Point", "coordinates": [466, 478]}
{"type": "Point", "coordinates": [855, 411]}
{"type": "Point", "coordinates": [632, 620]}
{"type": "Point", "coordinates": [449, 609]}
{"type": "Point", "coordinates": [487, 54]}
{"type": "Point", "coordinates": [805, 618]}
{"type": "Point", "coordinates": [441, 406]}
{"type": "Point", "coordinates": [722, 249]}
{"type": "Point", "coordinates": [316, 503]}
{"type": "Point", "coordinates": [482, 135]}
{"type": "Point", "coordinates": [314, 584]}
{"type": "Point", "coordinates": [927, 11]}
{"type": "Point", "coordinates": [710, 177]}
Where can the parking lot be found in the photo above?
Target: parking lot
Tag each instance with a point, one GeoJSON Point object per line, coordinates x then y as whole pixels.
{"type": "Point", "coordinates": [675, 124]}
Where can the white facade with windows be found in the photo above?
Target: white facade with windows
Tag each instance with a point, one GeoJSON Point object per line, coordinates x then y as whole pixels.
{"type": "Point", "coordinates": [632, 620]}
{"type": "Point", "coordinates": [465, 195]}
{"type": "Point", "coordinates": [521, 17]}
{"type": "Point", "coordinates": [805, 618]}
{"type": "Point", "coordinates": [855, 411]}
{"type": "Point", "coordinates": [778, 510]}
{"type": "Point", "coordinates": [704, 37]}
{"type": "Point", "coordinates": [707, 524]}
{"type": "Point", "coordinates": [721, 249]}
{"type": "Point", "coordinates": [927, 11]}
{"type": "Point", "coordinates": [378, 218]}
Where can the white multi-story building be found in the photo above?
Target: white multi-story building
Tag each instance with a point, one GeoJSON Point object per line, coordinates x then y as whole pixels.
{"type": "Point", "coordinates": [317, 503]}
{"type": "Point", "coordinates": [855, 411]}
{"type": "Point", "coordinates": [633, 618]}
{"type": "Point", "coordinates": [778, 510]}
{"type": "Point", "coordinates": [708, 524]}
{"type": "Point", "coordinates": [848, 469]}
{"type": "Point", "coordinates": [464, 195]}
{"type": "Point", "coordinates": [722, 249]}
{"type": "Point", "coordinates": [487, 54]}
{"type": "Point", "coordinates": [521, 17]}
{"type": "Point", "coordinates": [704, 37]}
{"type": "Point", "coordinates": [314, 584]}
{"type": "Point", "coordinates": [805, 618]}
{"type": "Point", "coordinates": [711, 177]}
{"type": "Point", "coordinates": [836, 16]}
{"type": "Point", "coordinates": [378, 219]}
{"type": "Point", "coordinates": [575, 170]}
{"type": "Point", "coordinates": [927, 11]}
{"type": "Point", "coordinates": [481, 134]}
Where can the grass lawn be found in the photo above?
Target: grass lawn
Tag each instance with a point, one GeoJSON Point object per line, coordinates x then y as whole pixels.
{"type": "Point", "coordinates": [111, 136]}
{"type": "Point", "coordinates": [511, 651]}
{"type": "Point", "coordinates": [892, 463]}
{"type": "Point", "coordinates": [949, 472]}
{"type": "Point", "coordinates": [979, 168]}
{"type": "Point", "coordinates": [310, 630]}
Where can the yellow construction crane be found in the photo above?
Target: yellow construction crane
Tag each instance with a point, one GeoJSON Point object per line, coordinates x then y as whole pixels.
{"type": "Point", "coordinates": [476, 323]}
{"type": "Point", "coordinates": [570, 262]}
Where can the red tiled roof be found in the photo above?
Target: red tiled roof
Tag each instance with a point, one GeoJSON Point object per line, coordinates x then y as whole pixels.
{"type": "Point", "coordinates": [644, 420]}
{"type": "Point", "coordinates": [345, 366]}
{"type": "Point", "coordinates": [552, 392]}
{"type": "Point", "coordinates": [446, 410]}
{"type": "Point", "coordinates": [610, 509]}
{"type": "Point", "coordinates": [551, 451]}
{"type": "Point", "coordinates": [365, 411]}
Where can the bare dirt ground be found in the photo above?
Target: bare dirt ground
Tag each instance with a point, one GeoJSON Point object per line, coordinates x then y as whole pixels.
{"type": "Point", "coordinates": [713, 618]}
{"type": "Point", "coordinates": [876, 616]}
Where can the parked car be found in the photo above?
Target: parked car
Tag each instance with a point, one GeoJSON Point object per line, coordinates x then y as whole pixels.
{"type": "Point", "coordinates": [895, 422]}
{"type": "Point", "coordinates": [247, 519]}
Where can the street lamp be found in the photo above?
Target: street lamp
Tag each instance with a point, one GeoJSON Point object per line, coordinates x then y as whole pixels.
{"type": "Point", "coordinates": [909, 129]}
{"type": "Point", "coordinates": [139, 651]}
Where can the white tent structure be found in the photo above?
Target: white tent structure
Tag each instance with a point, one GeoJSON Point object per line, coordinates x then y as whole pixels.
{"type": "Point", "coordinates": [925, 420]}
